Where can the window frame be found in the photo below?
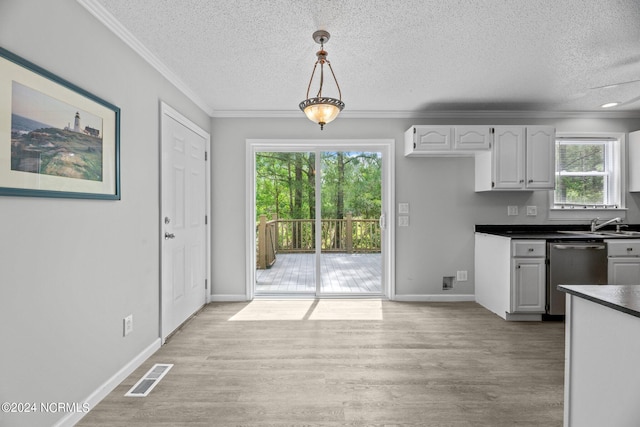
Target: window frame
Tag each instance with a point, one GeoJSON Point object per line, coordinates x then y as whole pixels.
{"type": "Point", "coordinates": [615, 188]}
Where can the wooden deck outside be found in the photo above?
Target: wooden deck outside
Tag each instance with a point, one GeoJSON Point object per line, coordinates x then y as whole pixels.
{"type": "Point", "coordinates": [340, 273]}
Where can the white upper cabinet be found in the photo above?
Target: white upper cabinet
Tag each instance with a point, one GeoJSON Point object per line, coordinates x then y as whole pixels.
{"type": "Point", "coordinates": [472, 137]}
{"type": "Point", "coordinates": [634, 161]}
{"type": "Point", "coordinates": [522, 158]}
{"type": "Point", "coordinates": [434, 141]}
{"type": "Point", "coordinates": [428, 139]}
{"type": "Point", "coordinates": [541, 158]}
{"type": "Point", "coordinates": [508, 158]}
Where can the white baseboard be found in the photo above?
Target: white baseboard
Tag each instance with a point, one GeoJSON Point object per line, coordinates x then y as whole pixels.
{"type": "Point", "coordinates": [418, 298]}
{"type": "Point", "coordinates": [227, 297]}
{"type": "Point", "coordinates": [101, 392]}
{"type": "Point", "coordinates": [435, 298]}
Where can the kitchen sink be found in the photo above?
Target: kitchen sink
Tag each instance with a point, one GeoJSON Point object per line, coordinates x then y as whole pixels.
{"type": "Point", "coordinates": [602, 233]}
{"type": "Point", "coordinates": [619, 233]}
{"type": "Point", "coordinates": [582, 233]}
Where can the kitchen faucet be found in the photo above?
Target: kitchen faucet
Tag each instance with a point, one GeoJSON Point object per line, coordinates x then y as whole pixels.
{"type": "Point", "coordinates": [595, 226]}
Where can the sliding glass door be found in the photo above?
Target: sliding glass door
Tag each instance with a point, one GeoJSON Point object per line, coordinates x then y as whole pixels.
{"type": "Point", "coordinates": [350, 200]}
{"type": "Point", "coordinates": [318, 216]}
{"type": "Point", "coordinates": [285, 223]}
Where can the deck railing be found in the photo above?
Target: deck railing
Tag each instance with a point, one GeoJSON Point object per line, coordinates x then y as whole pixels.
{"type": "Point", "coordinates": [346, 235]}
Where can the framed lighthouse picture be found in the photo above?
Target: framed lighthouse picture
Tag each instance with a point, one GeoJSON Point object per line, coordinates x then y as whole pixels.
{"type": "Point", "coordinates": [56, 139]}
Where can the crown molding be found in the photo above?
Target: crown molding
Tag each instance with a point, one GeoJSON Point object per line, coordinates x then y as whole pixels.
{"type": "Point", "coordinates": [106, 18]}
{"type": "Point", "coordinates": [109, 21]}
{"type": "Point", "coordinates": [457, 114]}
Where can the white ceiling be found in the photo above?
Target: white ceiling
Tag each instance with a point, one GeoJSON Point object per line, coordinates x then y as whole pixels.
{"type": "Point", "coordinates": [391, 57]}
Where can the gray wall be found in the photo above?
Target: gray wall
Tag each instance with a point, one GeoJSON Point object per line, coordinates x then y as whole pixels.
{"type": "Point", "coordinates": [443, 205]}
{"type": "Point", "coordinates": [70, 270]}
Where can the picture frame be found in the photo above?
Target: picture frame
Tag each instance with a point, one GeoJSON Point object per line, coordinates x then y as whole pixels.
{"type": "Point", "coordinates": [56, 139]}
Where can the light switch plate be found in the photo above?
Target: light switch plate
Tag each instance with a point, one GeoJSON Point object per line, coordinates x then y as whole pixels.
{"type": "Point", "coordinates": [512, 210]}
{"type": "Point", "coordinates": [532, 210]}
{"type": "Point", "coordinates": [127, 324]}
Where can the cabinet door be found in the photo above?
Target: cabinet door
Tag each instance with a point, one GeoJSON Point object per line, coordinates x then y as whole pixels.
{"type": "Point", "coordinates": [634, 161]}
{"type": "Point", "coordinates": [540, 155]}
{"type": "Point", "coordinates": [624, 271]}
{"type": "Point", "coordinates": [528, 285]}
{"type": "Point", "coordinates": [432, 138]}
{"type": "Point", "coordinates": [472, 137]}
{"type": "Point", "coordinates": [508, 157]}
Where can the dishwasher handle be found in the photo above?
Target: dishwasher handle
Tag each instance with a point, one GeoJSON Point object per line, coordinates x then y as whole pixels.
{"type": "Point", "coordinates": [580, 247]}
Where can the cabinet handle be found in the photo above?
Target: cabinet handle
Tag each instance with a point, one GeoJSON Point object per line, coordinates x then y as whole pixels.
{"type": "Point", "coordinates": [531, 249]}
{"type": "Point", "coordinates": [521, 181]}
{"type": "Point", "coordinates": [530, 181]}
{"type": "Point", "coordinates": [629, 249]}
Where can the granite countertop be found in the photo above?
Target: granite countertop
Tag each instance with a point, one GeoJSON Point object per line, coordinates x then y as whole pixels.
{"type": "Point", "coordinates": [555, 232]}
{"type": "Point", "coordinates": [624, 298]}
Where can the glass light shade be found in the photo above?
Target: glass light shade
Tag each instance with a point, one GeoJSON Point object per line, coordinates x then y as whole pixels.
{"type": "Point", "coordinates": [321, 110]}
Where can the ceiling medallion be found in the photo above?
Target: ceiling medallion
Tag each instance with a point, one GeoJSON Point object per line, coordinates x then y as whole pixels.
{"type": "Point", "coordinates": [322, 109]}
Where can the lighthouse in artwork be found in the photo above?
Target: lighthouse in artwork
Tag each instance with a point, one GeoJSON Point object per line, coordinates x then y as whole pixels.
{"type": "Point", "coordinates": [76, 123]}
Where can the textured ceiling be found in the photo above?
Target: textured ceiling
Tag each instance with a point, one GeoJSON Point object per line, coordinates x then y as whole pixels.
{"type": "Point", "coordinates": [395, 56]}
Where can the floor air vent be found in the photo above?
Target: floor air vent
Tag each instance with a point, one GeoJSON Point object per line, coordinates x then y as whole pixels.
{"type": "Point", "coordinates": [149, 380]}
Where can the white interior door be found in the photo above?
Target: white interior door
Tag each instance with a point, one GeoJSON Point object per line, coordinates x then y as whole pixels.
{"type": "Point", "coordinates": [183, 220]}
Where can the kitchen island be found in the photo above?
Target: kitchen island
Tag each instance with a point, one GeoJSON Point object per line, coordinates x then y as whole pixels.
{"type": "Point", "coordinates": [602, 355]}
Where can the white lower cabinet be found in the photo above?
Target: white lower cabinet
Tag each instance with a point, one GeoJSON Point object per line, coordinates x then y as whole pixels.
{"type": "Point", "coordinates": [528, 276]}
{"type": "Point", "coordinates": [528, 285]}
{"type": "Point", "coordinates": [510, 276]}
{"type": "Point", "coordinates": [623, 262]}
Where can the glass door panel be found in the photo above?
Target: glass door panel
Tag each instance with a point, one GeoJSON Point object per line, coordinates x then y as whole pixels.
{"type": "Point", "coordinates": [285, 206]}
{"type": "Point", "coordinates": [350, 239]}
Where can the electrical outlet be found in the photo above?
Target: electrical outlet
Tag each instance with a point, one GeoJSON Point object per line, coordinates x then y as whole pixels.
{"type": "Point", "coordinates": [403, 221]}
{"type": "Point", "coordinates": [532, 210]}
{"type": "Point", "coordinates": [512, 210]}
{"type": "Point", "coordinates": [461, 276]}
{"type": "Point", "coordinates": [403, 208]}
{"type": "Point", "coordinates": [128, 324]}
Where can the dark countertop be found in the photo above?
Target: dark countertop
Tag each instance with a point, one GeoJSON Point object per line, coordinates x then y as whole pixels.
{"type": "Point", "coordinates": [624, 298]}
{"type": "Point", "coordinates": [555, 232]}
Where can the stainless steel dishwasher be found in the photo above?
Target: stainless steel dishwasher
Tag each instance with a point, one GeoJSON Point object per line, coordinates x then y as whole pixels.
{"type": "Point", "coordinates": [573, 263]}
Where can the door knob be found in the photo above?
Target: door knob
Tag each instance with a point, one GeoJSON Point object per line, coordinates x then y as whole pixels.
{"type": "Point", "coordinates": [168, 236]}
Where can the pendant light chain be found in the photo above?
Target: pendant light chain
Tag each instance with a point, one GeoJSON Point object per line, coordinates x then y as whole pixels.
{"type": "Point", "coordinates": [335, 80]}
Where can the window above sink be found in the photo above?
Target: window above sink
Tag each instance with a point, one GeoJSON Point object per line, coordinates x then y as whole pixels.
{"type": "Point", "coordinates": [588, 171]}
{"type": "Point", "coordinates": [589, 176]}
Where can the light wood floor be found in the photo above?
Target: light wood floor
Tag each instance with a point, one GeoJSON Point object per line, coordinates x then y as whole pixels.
{"type": "Point", "coordinates": [340, 273]}
{"type": "Point", "coordinates": [349, 362]}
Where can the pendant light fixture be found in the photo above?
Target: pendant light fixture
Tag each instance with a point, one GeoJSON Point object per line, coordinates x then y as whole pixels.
{"type": "Point", "coordinates": [322, 109]}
